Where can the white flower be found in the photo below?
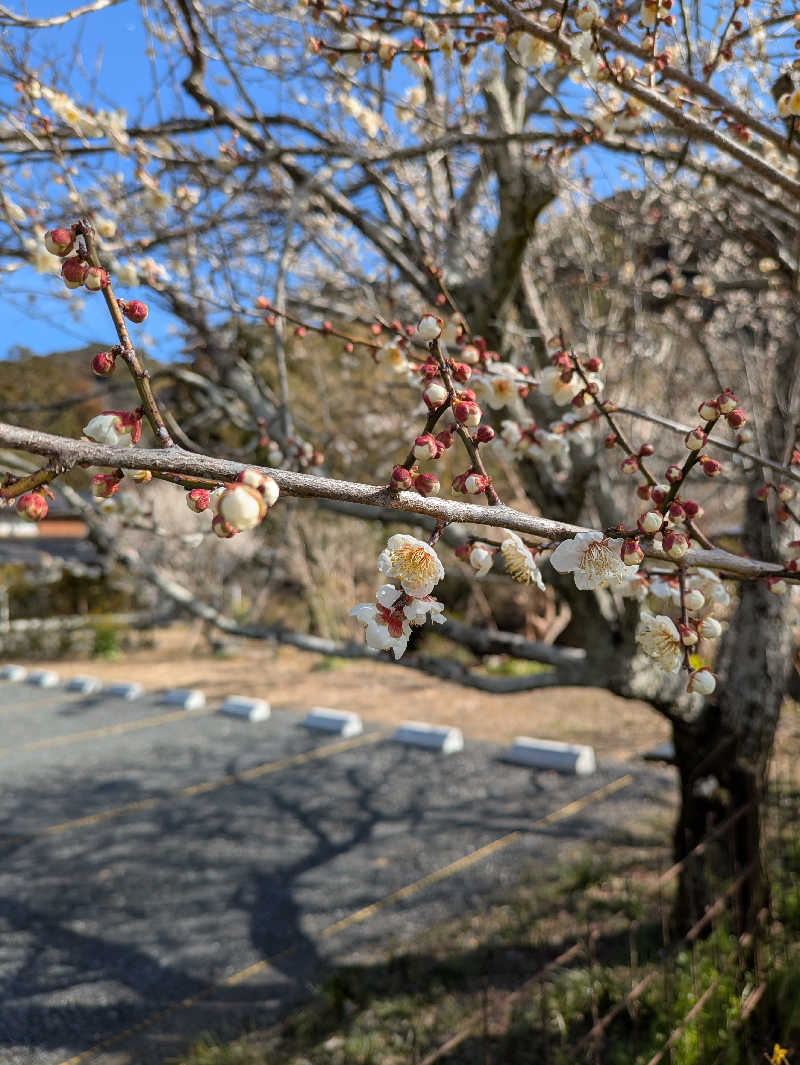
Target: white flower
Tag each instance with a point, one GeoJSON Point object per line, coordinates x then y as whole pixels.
{"type": "Point", "coordinates": [546, 445]}
{"type": "Point", "coordinates": [702, 681]}
{"type": "Point", "coordinates": [429, 327]}
{"type": "Point", "coordinates": [413, 562]}
{"type": "Point", "coordinates": [707, 582]}
{"type": "Point", "coordinates": [634, 587]}
{"type": "Point", "coordinates": [511, 433]}
{"type": "Point", "coordinates": [417, 611]}
{"type": "Point", "coordinates": [107, 429]}
{"type": "Point", "coordinates": [664, 594]}
{"type": "Point", "coordinates": [561, 392]}
{"type": "Point", "coordinates": [660, 640]}
{"type": "Point", "coordinates": [529, 51]}
{"type": "Point", "coordinates": [392, 357]}
{"type": "Point", "coordinates": [385, 630]}
{"type": "Point", "coordinates": [500, 386]}
{"type": "Point", "coordinates": [593, 560]}
{"type": "Point", "coordinates": [519, 561]}
{"type": "Point", "coordinates": [481, 559]}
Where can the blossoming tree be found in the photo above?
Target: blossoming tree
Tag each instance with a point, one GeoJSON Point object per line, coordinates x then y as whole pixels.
{"type": "Point", "coordinates": [397, 208]}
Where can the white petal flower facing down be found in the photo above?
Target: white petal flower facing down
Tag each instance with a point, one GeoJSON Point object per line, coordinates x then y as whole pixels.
{"type": "Point", "coordinates": [481, 559]}
{"type": "Point", "coordinates": [660, 640]}
{"type": "Point", "coordinates": [413, 562]}
{"type": "Point", "coordinates": [384, 630]}
{"type": "Point", "coordinates": [107, 429]}
{"type": "Point", "coordinates": [593, 560]}
{"type": "Point", "coordinates": [519, 561]}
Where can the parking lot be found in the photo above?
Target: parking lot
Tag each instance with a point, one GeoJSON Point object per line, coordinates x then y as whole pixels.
{"type": "Point", "coordinates": [169, 871]}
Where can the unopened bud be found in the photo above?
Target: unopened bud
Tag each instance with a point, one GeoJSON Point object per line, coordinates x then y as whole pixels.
{"type": "Point", "coordinates": [695, 439]}
{"type": "Point", "coordinates": [691, 509]}
{"type": "Point", "coordinates": [198, 499]}
{"type": "Point", "coordinates": [676, 513]}
{"type": "Point", "coordinates": [222, 529]}
{"type": "Point", "coordinates": [631, 553]}
{"type": "Point", "coordinates": [675, 544]}
{"type": "Point", "coordinates": [793, 549]}
{"type": "Point", "coordinates": [711, 467]}
{"type": "Point", "coordinates": [402, 479]}
{"type": "Point", "coordinates": [96, 278]}
{"type": "Point", "coordinates": [134, 310]}
{"type": "Point", "coordinates": [462, 372]}
{"type": "Point", "coordinates": [429, 327]}
{"type": "Point", "coordinates": [467, 413]}
{"type": "Point", "coordinates": [709, 628]}
{"type": "Point", "coordinates": [702, 682]}
{"type": "Point", "coordinates": [708, 410]}
{"type": "Point", "coordinates": [594, 364]}
{"type": "Point", "coordinates": [694, 600]}
{"type": "Point", "coordinates": [726, 401]}
{"type": "Point", "coordinates": [688, 635]}
{"type": "Point", "coordinates": [427, 484]}
{"type": "Point", "coordinates": [475, 483]}
{"type": "Point", "coordinates": [426, 447]}
{"type": "Point", "coordinates": [649, 522]}
{"type": "Point", "coordinates": [610, 441]}
{"type": "Point", "coordinates": [659, 493]}
{"type": "Point", "coordinates": [673, 474]}
{"type": "Point", "coordinates": [630, 464]}
{"type": "Point", "coordinates": [32, 506]}
{"type": "Point", "coordinates": [58, 241]}
{"type": "Point", "coordinates": [73, 272]}
{"type": "Point", "coordinates": [445, 437]}
{"type": "Point", "coordinates": [104, 363]}
{"type": "Point", "coordinates": [484, 434]}
{"type": "Point", "coordinates": [736, 418]}
{"type": "Point", "coordinates": [763, 492]}
{"type": "Point", "coordinates": [643, 490]}
{"type": "Point", "coordinates": [784, 492]}
{"type": "Point", "coordinates": [434, 395]}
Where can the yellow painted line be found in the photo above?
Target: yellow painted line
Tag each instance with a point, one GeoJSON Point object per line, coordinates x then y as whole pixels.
{"type": "Point", "coordinates": [106, 730]}
{"type": "Point", "coordinates": [197, 789]}
{"type": "Point", "coordinates": [362, 914]}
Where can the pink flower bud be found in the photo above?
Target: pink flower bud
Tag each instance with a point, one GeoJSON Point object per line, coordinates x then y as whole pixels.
{"type": "Point", "coordinates": [702, 682]}
{"type": "Point", "coordinates": [711, 467]}
{"type": "Point", "coordinates": [265, 485]}
{"type": "Point", "coordinates": [708, 410]}
{"type": "Point", "coordinates": [688, 635]}
{"type": "Point", "coordinates": [434, 395]}
{"type": "Point", "coordinates": [736, 418]}
{"type": "Point", "coordinates": [659, 493]}
{"type": "Point", "coordinates": [58, 241]}
{"type": "Point", "coordinates": [222, 529]}
{"type": "Point", "coordinates": [610, 441]}
{"type": "Point", "coordinates": [475, 483]}
{"type": "Point", "coordinates": [777, 585]}
{"type": "Point", "coordinates": [643, 490]}
{"type": "Point", "coordinates": [426, 447]}
{"type": "Point", "coordinates": [134, 310]}
{"type": "Point", "coordinates": [32, 506]}
{"type": "Point", "coordinates": [695, 439]}
{"type": "Point", "coordinates": [630, 464]}
{"type": "Point", "coordinates": [763, 492]}
{"type": "Point", "coordinates": [402, 479]}
{"type": "Point", "coordinates": [649, 522]}
{"type": "Point", "coordinates": [784, 492]}
{"type": "Point", "coordinates": [429, 327]}
{"type": "Point", "coordinates": [198, 499]}
{"type": "Point", "coordinates": [594, 364]}
{"type": "Point", "coordinates": [691, 509]}
{"type": "Point", "coordinates": [675, 544]}
{"type": "Point", "coordinates": [726, 401]}
{"type": "Point", "coordinates": [467, 413]}
{"type": "Point", "coordinates": [646, 450]}
{"type": "Point", "coordinates": [463, 551]}
{"type": "Point", "coordinates": [793, 549]}
{"type": "Point", "coordinates": [674, 473]}
{"type": "Point", "coordinates": [676, 512]}
{"type": "Point", "coordinates": [427, 484]}
{"type": "Point", "coordinates": [104, 363]}
{"type": "Point", "coordinates": [459, 483]}
{"type": "Point", "coordinates": [462, 372]}
{"type": "Point", "coordinates": [73, 272]}
{"type": "Point", "coordinates": [631, 553]}
{"type": "Point", "coordinates": [96, 278]}
{"type": "Point", "coordinates": [445, 438]}
{"type": "Point", "coordinates": [484, 434]}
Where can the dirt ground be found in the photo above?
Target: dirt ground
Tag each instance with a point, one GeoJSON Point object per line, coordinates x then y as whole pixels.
{"type": "Point", "coordinates": [382, 694]}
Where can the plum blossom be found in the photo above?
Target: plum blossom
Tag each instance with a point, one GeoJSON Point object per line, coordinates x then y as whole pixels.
{"type": "Point", "coordinates": [413, 562]}
{"type": "Point", "coordinates": [390, 618]}
{"type": "Point", "coordinates": [112, 426]}
{"type": "Point", "coordinates": [500, 386]}
{"type": "Point", "coordinates": [660, 640]}
{"type": "Point", "coordinates": [552, 384]}
{"type": "Point", "coordinates": [519, 561]}
{"type": "Point", "coordinates": [593, 559]}
{"type": "Point", "coordinates": [481, 558]}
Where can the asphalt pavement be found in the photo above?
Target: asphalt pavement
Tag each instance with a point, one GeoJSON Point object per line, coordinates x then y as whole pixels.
{"type": "Point", "coordinates": [165, 872]}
